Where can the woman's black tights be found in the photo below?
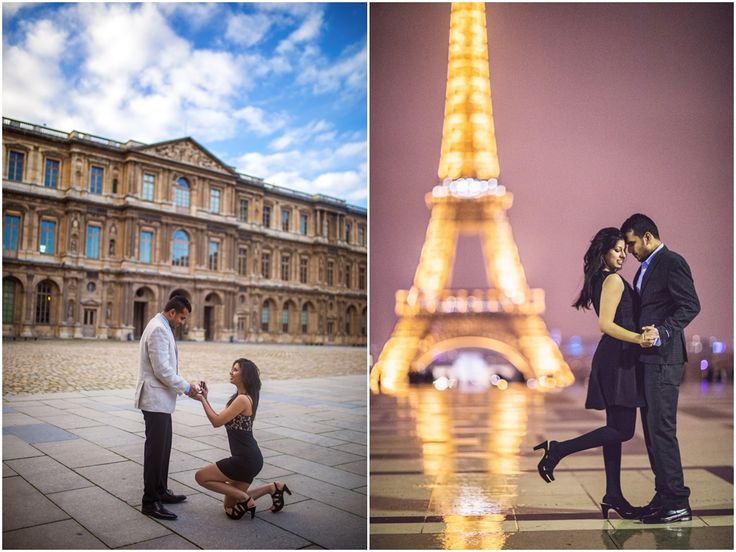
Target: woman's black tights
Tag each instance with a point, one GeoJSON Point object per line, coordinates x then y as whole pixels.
{"type": "Point", "coordinates": [620, 426]}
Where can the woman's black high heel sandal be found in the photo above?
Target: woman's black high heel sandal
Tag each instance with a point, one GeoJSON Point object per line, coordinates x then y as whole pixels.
{"type": "Point", "coordinates": [278, 497]}
{"type": "Point", "coordinates": [547, 464]}
{"type": "Point", "coordinates": [621, 506]}
{"type": "Point", "coordinates": [238, 511]}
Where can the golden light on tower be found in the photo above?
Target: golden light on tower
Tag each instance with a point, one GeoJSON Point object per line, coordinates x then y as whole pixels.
{"type": "Point", "coordinates": [433, 317]}
{"type": "Point", "coordinates": [468, 140]}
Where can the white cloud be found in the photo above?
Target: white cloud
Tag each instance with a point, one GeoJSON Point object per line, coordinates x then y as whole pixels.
{"type": "Point", "coordinates": [260, 121]}
{"type": "Point", "coordinates": [308, 30]}
{"type": "Point", "coordinates": [248, 29]}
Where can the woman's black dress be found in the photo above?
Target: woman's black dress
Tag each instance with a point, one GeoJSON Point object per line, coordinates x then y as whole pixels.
{"type": "Point", "coordinates": [246, 460]}
{"type": "Point", "coordinates": [615, 378]}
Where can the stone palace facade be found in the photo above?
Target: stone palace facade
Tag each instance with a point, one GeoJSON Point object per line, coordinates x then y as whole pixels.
{"type": "Point", "coordinates": [99, 234]}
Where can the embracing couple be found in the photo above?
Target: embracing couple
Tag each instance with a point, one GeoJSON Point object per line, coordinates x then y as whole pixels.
{"type": "Point", "coordinates": [639, 363]}
{"type": "Point", "coordinates": [159, 383]}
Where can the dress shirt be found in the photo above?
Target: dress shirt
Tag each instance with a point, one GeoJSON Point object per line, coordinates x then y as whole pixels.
{"type": "Point", "coordinates": [644, 266]}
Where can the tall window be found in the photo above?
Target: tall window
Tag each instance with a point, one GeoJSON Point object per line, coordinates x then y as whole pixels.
{"type": "Point", "coordinates": [303, 219]}
{"type": "Point", "coordinates": [348, 275]}
{"type": "Point", "coordinates": [149, 186]}
{"type": "Point", "coordinates": [364, 323]}
{"type": "Point", "coordinates": [213, 254]}
{"type": "Point", "coordinates": [267, 216]}
{"type": "Point", "coordinates": [47, 237]}
{"type": "Point", "coordinates": [214, 200]}
{"type": "Point", "coordinates": [243, 261]}
{"type": "Point", "coordinates": [93, 242]}
{"type": "Point", "coordinates": [330, 273]}
{"type": "Point", "coordinates": [8, 300]}
{"type": "Point", "coordinates": [11, 231]}
{"type": "Point", "coordinates": [181, 195]}
{"type": "Point", "coordinates": [15, 165]}
{"type": "Point", "coordinates": [145, 246]}
{"type": "Point", "coordinates": [285, 214]}
{"type": "Point", "coordinates": [265, 314]}
{"type": "Point", "coordinates": [51, 174]}
{"type": "Point", "coordinates": [266, 265]}
{"type": "Point", "coordinates": [303, 269]}
{"type": "Point", "coordinates": [348, 228]}
{"type": "Point", "coordinates": [285, 318]}
{"type": "Point", "coordinates": [95, 179]}
{"type": "Point", "coordinates": [43, 302]}
{"type": "Point", "coordinates": [361, 234]}
{"type": "Point", "coordinates": [305, 318]}
{"type": "Point", "coordinates": [243, 211]}
{"type": "Point", "coordinates": [361, 277]}
{"type": "Point", "coordinates": [180, 249]}
{"type": "Point", "coordinates": [285, 265]}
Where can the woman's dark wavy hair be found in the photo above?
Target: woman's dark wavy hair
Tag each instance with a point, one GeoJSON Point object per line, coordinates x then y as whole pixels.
{"type": "Point", "coordinates": [593, 261]}
{"type": "Point", "coordinates": [251, 378]}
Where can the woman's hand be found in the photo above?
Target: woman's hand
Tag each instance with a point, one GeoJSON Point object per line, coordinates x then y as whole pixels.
{"type": "Point", "coordinates": [204, 390]}
{"type": "Point", "coordinates": [647, 339]}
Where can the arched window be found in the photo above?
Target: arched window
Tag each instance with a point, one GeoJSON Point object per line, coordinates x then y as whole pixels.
{"type": "Point", "coordinates": [305, 318]}
{"type": "Point", "coordinates": [285, 318]}
{"type": "Point", "coordinates": [8, 300]}
{"type": "Point", "coordinates": [265, 316]}
{"type": "Point", "coordinates": [44, 298]}
{"type": "Point", "coordinates": [180, 249]}
{"type": "Point", "coordinates": [181, 198]}
{"type": "Point", "coordinates": [349, 319]}
{"type": "Point", "coordinates": [364, 323]}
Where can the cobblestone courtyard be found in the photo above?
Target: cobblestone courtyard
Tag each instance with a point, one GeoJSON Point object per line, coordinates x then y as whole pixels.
{"type": "Point", "coordinates": [64, 365]}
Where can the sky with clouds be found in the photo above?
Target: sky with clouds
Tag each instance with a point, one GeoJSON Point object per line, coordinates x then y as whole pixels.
{"type": "Point", "coordinates": [276, 90]}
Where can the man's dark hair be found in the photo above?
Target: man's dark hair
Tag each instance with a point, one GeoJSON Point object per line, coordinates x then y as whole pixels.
{"type": "Point", "coordinates": [178, 302]}
{"type": "Point", "coordinates": [640, 225]}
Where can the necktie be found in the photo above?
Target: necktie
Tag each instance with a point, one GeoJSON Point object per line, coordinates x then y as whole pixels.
{"type": "Point", "coordinates": [644, 266]}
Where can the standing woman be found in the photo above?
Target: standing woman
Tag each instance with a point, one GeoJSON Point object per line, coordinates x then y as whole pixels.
{"type": "Point", "coordinates": [615, 383]}
{"type": "Point", "coordinates": [233, 476]}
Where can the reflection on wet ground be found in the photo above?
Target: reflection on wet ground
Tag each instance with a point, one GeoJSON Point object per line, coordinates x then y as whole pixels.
{"type": "Point", "coordinates": [455, 470]}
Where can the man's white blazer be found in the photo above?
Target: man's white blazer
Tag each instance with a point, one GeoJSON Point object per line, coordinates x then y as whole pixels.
{"type": "Point", "coordinates": [158, 377]}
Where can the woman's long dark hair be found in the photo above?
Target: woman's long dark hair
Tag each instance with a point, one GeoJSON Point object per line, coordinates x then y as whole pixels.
{"type": "Point", "coordinates": [604, 240]}
{"type": "Point", "coordinates": [251, 378]}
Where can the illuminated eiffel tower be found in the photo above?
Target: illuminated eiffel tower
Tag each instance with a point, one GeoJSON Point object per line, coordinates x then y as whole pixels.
{"type": "Point", "coordinates": [505, 318]}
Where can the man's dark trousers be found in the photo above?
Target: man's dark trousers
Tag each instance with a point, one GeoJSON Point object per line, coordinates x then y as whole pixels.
{"type": "Point", "coordinates": [156, 455]}
{"type": "Point", "coordinates": [661, 391]}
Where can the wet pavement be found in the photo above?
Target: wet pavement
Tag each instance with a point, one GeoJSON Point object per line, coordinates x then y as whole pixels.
{"type": "Point", "coordinates": [73, 469]}
{"type": "Point", "coordinates": [456, 470]}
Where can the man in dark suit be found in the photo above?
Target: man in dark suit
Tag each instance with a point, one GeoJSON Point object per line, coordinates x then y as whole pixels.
{"type": "Point", "coordinates": [668, 303]}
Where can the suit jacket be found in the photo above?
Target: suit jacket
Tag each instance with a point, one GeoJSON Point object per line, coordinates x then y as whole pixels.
{"type": "Point", "coordinates": [158, 377]}
{"type": "Point", "coordinates": [669, 302]}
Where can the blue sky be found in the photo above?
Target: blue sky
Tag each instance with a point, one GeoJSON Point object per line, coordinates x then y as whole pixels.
{"type": "Point", "coordinates": [276, 90]}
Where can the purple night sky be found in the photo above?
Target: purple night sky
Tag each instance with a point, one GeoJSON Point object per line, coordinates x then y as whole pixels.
{"type": "Point", "coordinates": [601, 110]}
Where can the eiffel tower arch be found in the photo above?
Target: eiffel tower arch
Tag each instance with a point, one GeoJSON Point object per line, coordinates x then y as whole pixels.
{"type": "Point", "coordinates": [434, 318]}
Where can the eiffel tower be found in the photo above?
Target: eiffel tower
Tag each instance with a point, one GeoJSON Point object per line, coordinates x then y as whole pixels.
{"type": "Point", "coordinates": [505, 317]}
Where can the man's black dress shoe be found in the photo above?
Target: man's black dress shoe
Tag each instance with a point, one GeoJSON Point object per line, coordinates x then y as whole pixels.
{"type": "Point", "coordinates": [170, 498]}
{"type": "Point", "coordinates": [157, 510]}
{"type": "Point", "coordinates": [669, 516]}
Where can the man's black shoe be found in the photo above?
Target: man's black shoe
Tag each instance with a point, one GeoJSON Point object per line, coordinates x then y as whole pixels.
{"type": "Point", "coordinates": [171, 498]}
{"type": "Point", "coordinates": [157, 510]}
{"type": "Point", "coordinates": [654, 506]}
{"type": "Point", "coordinates": [669, 516]}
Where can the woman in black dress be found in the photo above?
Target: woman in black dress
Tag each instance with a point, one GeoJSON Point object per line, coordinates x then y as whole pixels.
{"type": "Point", "coordinates": [615, 383]}
{"type": "Point", "coordinates": [233, 476]}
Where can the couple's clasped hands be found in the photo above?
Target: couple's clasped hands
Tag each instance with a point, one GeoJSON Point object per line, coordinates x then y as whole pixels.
{"type": "Point", "coordinates": [649, 336]}
{"type": "Point", "coordinates": [198, 391]}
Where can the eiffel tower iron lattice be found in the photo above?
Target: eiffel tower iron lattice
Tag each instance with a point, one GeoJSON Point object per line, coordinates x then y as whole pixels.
{"type": "Point", "coordinates": [505, 317]}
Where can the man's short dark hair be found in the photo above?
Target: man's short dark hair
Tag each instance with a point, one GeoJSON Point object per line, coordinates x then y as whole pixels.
{"type": "Point", "coordinates": [640, 224]}
{"type": "Point", "coordinates": [178, 302]}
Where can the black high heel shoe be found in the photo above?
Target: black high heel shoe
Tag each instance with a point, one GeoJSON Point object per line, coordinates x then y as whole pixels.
{"type": "Point", "coordinates": [621, 506]}
{"type": "Point", "coordinates": [238, 511]}
{"type": "Point", "coordinates": [547, 464]}
{"type": "Point", "coordinates": [278, 497]}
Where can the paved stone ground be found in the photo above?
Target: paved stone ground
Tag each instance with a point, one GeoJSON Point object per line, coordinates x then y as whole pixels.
{"type": "Point", "coordinates": [456, 470]}
{"type": "Point", "coordinates": [72, 461]}
{"type": "Point", "coordinates": [81, 365]}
